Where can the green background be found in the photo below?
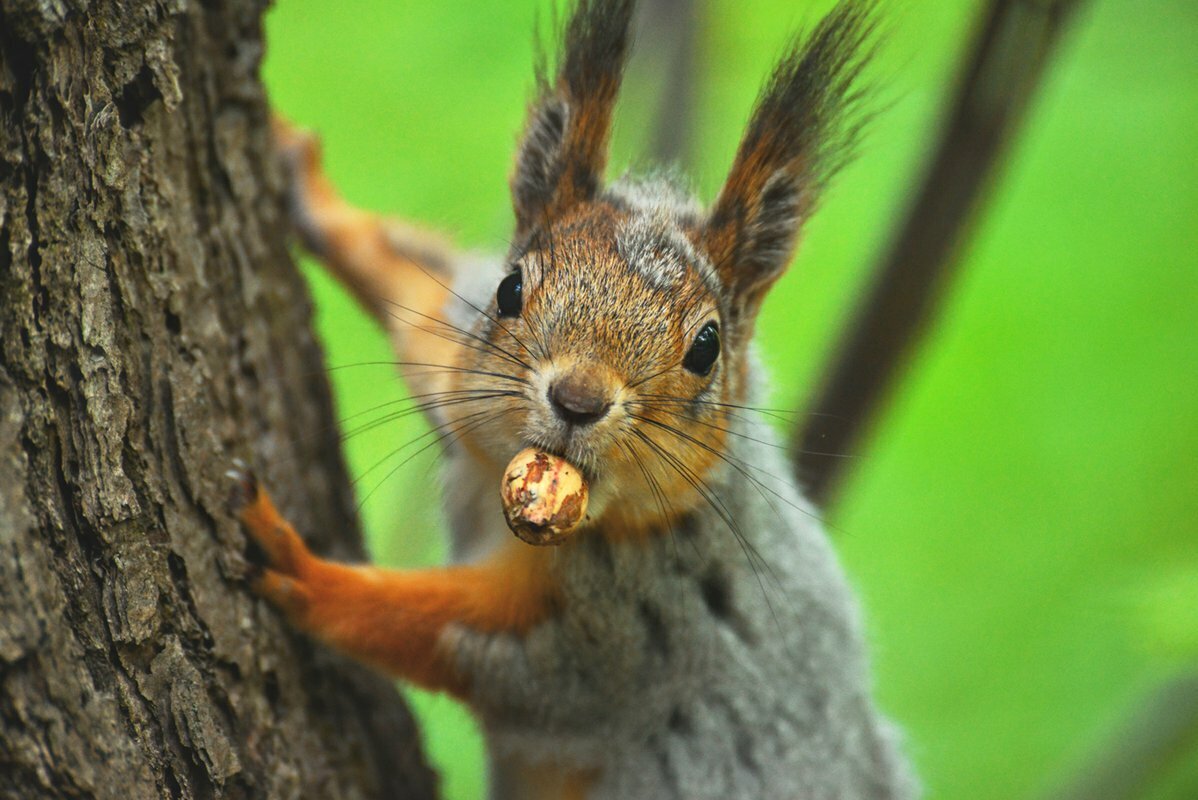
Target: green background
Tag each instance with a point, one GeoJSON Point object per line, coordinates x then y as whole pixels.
{"type": "Point", "coordinates": [1023, 525]}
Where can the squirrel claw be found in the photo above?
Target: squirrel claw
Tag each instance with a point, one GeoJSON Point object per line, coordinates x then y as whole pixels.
{"type": "Point", "coordinates": [245, 488]}
{"type": "Point", "coordinates": [272, 541]}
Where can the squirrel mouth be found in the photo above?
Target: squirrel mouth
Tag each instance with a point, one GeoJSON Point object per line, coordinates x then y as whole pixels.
{"type": "Point", "coordinates": [582, 462]}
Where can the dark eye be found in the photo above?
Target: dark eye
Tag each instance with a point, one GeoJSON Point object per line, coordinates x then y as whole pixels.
{"type": "Point", "coordinates": [704, 350]}
{"type": "Point", "coordinates": [510, 297]}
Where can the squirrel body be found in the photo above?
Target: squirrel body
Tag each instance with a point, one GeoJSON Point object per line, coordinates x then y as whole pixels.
{"type": "Point", "coordinates": [696, 638]}
{"type": "Point", "coordinates": [675, 667]}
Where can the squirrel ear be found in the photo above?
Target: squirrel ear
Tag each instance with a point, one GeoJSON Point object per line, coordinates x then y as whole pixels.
{"type": "Point", "coordinates": [802, 130]}
{"type": "Point", "coordinates": [563, 152]}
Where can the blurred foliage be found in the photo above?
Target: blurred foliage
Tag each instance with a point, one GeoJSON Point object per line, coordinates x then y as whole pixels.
{"type": "Point", "coordinates": [1023, 525]}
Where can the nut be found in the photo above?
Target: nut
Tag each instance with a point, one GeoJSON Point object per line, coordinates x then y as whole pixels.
{"type": "Point", "coordinates": [544, 497]}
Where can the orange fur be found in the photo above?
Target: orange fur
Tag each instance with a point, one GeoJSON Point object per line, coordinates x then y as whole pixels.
{"type": "Point", "coordinates": [646, 512]}
{"type": "Point", "coordinates": [585, 147]}
{"type": "Point", "coordinates": [394, 619]}
{"type": "Point", "coordinates": [400, 274]}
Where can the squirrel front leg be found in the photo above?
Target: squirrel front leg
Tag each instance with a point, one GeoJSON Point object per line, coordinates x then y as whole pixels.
{"type": "Point", "coordinates": [392, 619]}
{"type": "Point", "coordinates": [399, 273]}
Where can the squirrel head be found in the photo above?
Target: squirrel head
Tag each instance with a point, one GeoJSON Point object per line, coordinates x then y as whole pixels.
{"type": "Point", "coordinates": [619, 336]}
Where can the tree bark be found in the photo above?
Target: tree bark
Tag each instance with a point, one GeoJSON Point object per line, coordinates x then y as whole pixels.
{"type": "Point", "coordinates": [152, 328]}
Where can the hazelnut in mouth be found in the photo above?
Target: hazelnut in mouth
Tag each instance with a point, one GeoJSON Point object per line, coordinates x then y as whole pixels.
{"type": "Point", "coordinates": [544, 497]}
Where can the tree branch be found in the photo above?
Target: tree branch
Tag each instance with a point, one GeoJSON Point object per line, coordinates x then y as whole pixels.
{"type": "Point", "coordinates": [1162, 731]}
{"type": "Point", "coordinates": [1007, 63]}
{"type": "Point", "coordinates": [671, 27]}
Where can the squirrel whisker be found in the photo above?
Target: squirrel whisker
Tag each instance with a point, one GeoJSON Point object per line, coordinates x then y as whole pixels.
{"type": "Point", "coordinates": [469, 335]}
{"type": "Point", "coordinates": [737, 464]}
{"type": "Point", "coordinates": [469, 422]}
{"type": "Point", "coordinates": [434, 369]}
{"type": "Point", "coordinates": [424, 408]}
{"type": "Point", "coordinates": [753, 557]}
{"type": "Point", "coordinates": [493, 320]}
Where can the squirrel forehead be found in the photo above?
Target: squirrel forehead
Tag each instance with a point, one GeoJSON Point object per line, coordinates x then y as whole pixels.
{"type": "Point", "coordinates": [628, 234]}
{"type": "Point", "coordinates": [623, 282]}
{"type": "Point", "coordinates": [658, 250]}
{"type": "Point", "coordinates": [657, 235]}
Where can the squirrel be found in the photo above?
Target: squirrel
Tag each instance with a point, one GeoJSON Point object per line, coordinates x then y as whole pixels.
{"type": "Point", "coordinates": [696, 638]}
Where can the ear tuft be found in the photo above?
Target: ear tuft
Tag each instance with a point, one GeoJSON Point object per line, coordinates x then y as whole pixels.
{"type": "Point", "coordinates": [804, 127]}
{"type": "Point", "coordinates": [536, 176]}
{"type": "Point", "coordinates": [564, 149]}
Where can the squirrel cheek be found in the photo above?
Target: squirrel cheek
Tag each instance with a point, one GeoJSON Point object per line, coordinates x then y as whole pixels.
{"type": "Point", "coordinates": [544, 497]}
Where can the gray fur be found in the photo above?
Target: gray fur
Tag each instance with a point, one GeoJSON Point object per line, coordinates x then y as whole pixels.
{"type": "Point", "coordinates": [661, 191]}
{"type": "Point", "coordinates": [653, 241]}
{"type": "Point", "coordinates": [679, 669]}
{"type": "Point", "coordinates": [654, 247]}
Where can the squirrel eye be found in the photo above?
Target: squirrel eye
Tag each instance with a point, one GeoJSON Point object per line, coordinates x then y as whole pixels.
{"type": "Point", "coordinates": [510, 297]}
{"type": "Point", "coordinates": [704, 350]}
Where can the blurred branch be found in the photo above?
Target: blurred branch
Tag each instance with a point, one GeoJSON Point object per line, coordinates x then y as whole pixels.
{"type": "Point", "coordinates": [670, 28]}
{"type": "Point", "coordinates": [1144, 748]}
{"type": "Point", "coordinates": [1006, 65]}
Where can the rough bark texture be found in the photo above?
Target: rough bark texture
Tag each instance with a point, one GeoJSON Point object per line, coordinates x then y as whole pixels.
{"type": "Point", "coordinates": [152, 327]}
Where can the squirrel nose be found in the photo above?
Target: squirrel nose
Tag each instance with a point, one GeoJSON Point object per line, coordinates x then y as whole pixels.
{"type": "Point", "coordinates": [580, 397]}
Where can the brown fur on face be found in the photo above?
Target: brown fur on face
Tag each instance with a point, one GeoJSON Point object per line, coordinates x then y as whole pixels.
{"type": "Point", "coordinates": [586, 306]}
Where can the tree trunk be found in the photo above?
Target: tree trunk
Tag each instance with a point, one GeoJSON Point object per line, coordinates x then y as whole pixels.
{"type": "Point", "coordinates": [152, 328]}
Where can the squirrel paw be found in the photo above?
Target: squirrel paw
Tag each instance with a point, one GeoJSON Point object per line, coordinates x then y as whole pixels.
{"type": "Point", "coordinates": [281, 579]}
{"type": "Point", "coordinates": [306, 187]}
{"type": "Point", "coordinates": [300, 148]}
